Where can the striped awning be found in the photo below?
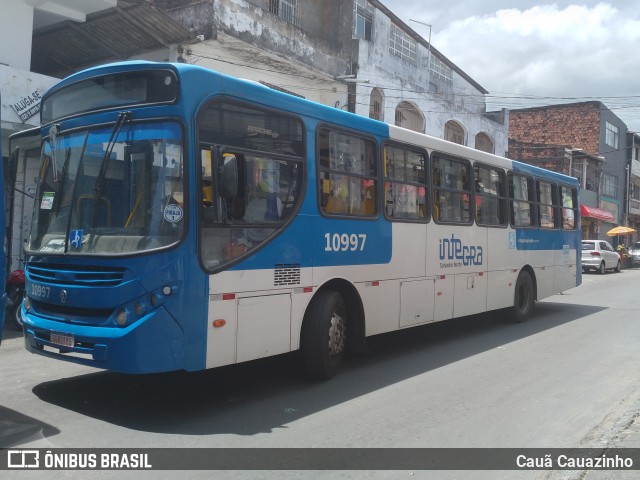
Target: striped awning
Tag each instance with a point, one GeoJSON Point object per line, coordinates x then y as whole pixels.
{"type": "Point", "coordinates": [597, 213]}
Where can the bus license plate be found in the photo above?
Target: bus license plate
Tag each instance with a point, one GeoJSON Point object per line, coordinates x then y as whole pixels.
{"type": "Point", "coordinates": [62, 340]}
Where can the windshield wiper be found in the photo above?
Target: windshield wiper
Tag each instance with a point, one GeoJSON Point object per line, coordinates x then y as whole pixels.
{"type": "Point", "coordinates": [123, 117]}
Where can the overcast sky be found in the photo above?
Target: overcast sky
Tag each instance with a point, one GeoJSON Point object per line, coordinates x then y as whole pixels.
{"type": "Point", "coordinates": [539, 53]}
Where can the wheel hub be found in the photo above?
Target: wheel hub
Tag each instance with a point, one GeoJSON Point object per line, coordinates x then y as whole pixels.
{"type": "Point", "coordinates": [337, 334]}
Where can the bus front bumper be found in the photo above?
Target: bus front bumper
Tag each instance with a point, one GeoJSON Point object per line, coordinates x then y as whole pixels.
{"type": "Point", "coordinates": [150, 345]}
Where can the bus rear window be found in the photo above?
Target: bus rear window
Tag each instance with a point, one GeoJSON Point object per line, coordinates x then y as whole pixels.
{"type": "Point", "coordinates": [111, 91]}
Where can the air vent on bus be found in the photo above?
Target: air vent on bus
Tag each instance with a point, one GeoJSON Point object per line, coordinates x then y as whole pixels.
{"type": "Point", "coordinates": [286, 274]}
{"type": "Point", "coordinates": [82, 275]}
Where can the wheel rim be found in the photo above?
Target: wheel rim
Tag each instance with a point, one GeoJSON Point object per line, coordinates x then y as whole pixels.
{"type": "Point", "coordinates": [337, 334]}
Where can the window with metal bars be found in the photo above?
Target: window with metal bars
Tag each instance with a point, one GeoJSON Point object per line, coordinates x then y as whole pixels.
{"type": "Point", "coordinates": [287, 10]}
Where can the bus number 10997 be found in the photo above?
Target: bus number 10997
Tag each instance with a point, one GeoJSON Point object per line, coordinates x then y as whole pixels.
{"type": "Point", "coordinates": [344, 242]}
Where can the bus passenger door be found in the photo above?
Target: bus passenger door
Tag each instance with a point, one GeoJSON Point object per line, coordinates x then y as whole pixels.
{"type": "Point", "coordinates": [416, 302]}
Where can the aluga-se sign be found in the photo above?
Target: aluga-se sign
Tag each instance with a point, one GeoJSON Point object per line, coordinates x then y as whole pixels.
{"type": "Point", "coordinates": [28, 106]}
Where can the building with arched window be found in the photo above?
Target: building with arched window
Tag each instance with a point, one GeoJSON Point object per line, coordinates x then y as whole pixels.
{"type": "Point", "coordinates": [484, 143]}
{"type": "Point", "coordinates": [454, 132]}
{"type": "Point", "coordinates": [391, 59]}
{"type": "Point", "coordinates": [376, 105]}
{"type": "Point", "coordinates": [409, 116]}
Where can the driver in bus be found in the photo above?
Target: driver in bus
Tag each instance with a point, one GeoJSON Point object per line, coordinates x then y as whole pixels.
{"type": "Point", "coordinates": [264, 206]}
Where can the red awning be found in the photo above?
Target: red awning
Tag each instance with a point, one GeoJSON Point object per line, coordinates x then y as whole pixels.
{"type": "Point", "coordinates": [597, 213]}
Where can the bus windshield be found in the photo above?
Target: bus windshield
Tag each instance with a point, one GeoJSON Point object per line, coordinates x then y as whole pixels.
{"type": "Point", "coordinates": [110, 191]}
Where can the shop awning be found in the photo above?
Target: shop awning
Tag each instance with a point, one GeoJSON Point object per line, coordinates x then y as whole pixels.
{"type": "Point", "coordinates": [597, 213]}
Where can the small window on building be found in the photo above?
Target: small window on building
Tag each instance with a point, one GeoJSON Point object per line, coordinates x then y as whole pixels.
{"type": "Point", "coordinates": [347, 183]}
{"type": "Point", "coordinates": [409, 116]}
{"type": "Point", "coordinates": [287, 10]}
{"type": "Point", "coordinates": [405, 192]}
{"type": "Point", "coordinates": [491, 196]}
{"type": "Point", "coordinates": [363, 19]}
{"type": "Point", "coordinates": [484, 143]}
{"type": "Point", "coordinates": [453, 132]}
{"type": "Point", "coordinates": [402, 45]}
{"type": "Point", "coordinates": [522, 201]}
{"type": "Point", "coordinates": [452, 190]}
{"type": "Point", "coordinates": [440, 72]}
{"type": "Point", "coordinates": [611, 138]}
{"type": "Point", "coordinates": [610, 185]}
{"type": "Point", "coordinates": [375, 105]}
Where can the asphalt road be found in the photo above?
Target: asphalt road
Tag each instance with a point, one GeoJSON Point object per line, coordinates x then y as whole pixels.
{"type": "Point", "coordinates": [567, 378]}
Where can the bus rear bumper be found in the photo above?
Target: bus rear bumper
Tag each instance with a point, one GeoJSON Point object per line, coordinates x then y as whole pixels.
{"type": "Point", "coordinates": [152, 344]}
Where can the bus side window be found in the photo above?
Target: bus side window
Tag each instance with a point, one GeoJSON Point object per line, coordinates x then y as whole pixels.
{"type": "Point", "coordinates": [405, 189]}
{"type": "Point", "coordinates": [347, 182]}
{"type": "Point", "coordinates": [452, 191]}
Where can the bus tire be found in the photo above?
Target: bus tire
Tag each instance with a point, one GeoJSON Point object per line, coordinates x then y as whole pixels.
{"type": "Point", "coordinates": [324, 335]}
{"type": "Point", "coordinates": [523, 298]}
{"type": "Point", "coordinates": [14, 316]}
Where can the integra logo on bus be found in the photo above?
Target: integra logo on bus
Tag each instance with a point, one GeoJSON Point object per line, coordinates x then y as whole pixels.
{"type": "Point", "coordinates": [461, 255]}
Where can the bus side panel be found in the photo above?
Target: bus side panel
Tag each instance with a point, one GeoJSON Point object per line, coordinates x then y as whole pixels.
{"type": "Point", "coordinates": [501, 287]}
{"type": "Point", "coordinates": [221, 341]}
{"type": "Point", "coordinates": [503, 264]}
{"type": "Point", "coordinates": [566, 263]}
{"type": "Point", "coordinates": [409, 253]}
{"type": "Point", "coordinates": [299, 302]}
{"type": "Point", "coordinates": [544, 276]}
{"type": "Point", "coordinates": [264, 326]}
{"type": "Point", "coordinates": [443, 299]}
{"type": "Point", "coordinates": [470, 294]}
{"type": "Point", "coordinates": [457, 256]}
{"type": "Point", "coordinates": [416, 302]}
{"type": "Point", "coordinates": [381, 306]}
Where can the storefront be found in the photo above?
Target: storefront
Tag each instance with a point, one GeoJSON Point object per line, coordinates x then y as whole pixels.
{"type": "Point", "coordinates": [596, 222]}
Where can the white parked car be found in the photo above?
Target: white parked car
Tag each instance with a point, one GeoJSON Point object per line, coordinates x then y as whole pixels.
{"type": "Point", "coordinates": [634, 251]}
{"type": "Point", "coordinates": [599, 255]}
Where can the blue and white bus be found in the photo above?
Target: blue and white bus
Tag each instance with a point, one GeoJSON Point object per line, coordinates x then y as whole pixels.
{"type": "Point", "coordinates": [187, 220]}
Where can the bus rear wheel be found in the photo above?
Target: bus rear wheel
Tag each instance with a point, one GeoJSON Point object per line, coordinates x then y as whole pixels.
{"type": "Point", "coordinates": [324, 335]}
{"type": "Point", "coordinates": [523, 298]}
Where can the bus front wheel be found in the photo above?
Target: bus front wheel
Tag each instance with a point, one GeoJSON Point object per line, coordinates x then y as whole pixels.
{"type": "Point", "coordinates": [324, 335]}
{"type": "Point", "coordinates": [523, 298]}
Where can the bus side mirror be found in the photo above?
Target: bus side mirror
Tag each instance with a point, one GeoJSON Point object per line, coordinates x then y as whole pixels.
{"type": "Point", "coordinates": [228, 179]}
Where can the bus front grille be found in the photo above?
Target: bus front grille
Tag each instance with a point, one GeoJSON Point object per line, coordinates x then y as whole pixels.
{"type": "Point", "coordinates": [80, 275]}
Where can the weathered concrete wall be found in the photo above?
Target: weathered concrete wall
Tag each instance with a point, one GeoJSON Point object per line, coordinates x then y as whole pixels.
{"type": "Point", "coordinates": [400, 80]}
{"type": "Point", "coordinates": [229, 55]}
{"type": "Point", "coordinates": [16, 20]}
{"type": "Point", "coordinates": [315, 43]}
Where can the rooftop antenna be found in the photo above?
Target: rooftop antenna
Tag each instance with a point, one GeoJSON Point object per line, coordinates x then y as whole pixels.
{"type": "Point", "coordinates": [429, 49]}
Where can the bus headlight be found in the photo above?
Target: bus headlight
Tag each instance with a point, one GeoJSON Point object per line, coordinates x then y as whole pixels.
{"type": "Point", "coordinates": [154, 300]}
{"type": "Point", "coordinates": [139, 308]}
{"type": "Point", "coordinates": [27, 304]}
{"type": "Point", "coordinates": [122, 317]}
